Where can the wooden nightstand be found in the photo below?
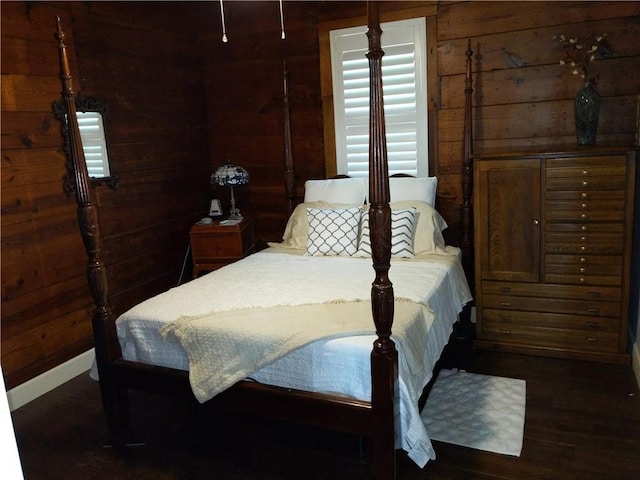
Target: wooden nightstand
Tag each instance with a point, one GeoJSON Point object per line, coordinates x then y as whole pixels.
{"type": "Point", "coordinates": [214, 245]}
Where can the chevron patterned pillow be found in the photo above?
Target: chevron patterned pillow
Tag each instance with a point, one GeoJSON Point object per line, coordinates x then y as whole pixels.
{"type": "Point", "coordinates": [403, 223]}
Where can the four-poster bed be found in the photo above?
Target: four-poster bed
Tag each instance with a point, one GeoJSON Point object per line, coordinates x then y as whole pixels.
{"type": "Point", "coordinates": [425, 295]}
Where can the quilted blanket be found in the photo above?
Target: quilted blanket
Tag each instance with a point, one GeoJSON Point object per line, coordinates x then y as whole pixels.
{"type": "Point", "coordinates": [263, 313]}
{"type": "Point", "coordinates": [226, 347]}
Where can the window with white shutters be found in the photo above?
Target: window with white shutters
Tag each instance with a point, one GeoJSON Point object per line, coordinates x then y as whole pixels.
{"type": "Point", "coordinates": [93, 143]}
{"type": "Point", "coordinates": [404, 77]}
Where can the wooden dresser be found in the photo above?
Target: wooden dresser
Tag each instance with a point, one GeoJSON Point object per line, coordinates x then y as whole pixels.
{"type": "Point", "coordinates": [216, 245]}
{"type": "Point", "coordinates": [553, 236]}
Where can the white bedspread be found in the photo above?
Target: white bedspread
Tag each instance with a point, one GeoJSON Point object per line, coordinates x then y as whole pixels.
{"type": "Point", "coordinates": [272, 281]}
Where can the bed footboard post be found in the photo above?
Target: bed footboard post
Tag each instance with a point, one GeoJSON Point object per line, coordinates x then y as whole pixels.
{"type": "Point", "coordinates": [107, 348]}
{"type": "Point", "coordinates": [289, 173]}
{"type": "Point", "coordinates": [466, 242]}
{"type": "Point", "coordinates": [384, 357]}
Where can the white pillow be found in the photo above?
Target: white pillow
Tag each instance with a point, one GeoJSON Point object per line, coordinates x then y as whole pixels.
{"type": "Point", "coordinates": [349, 191]}
{"type": "Point", "coordinates": [411, 188]}
{"type": "Point", "coordinates": [403, 223]}
{"type": "Point", "coordinates": [333, 232]}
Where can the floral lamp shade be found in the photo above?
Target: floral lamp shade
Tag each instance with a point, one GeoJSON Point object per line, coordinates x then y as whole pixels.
{"type": "Point", "coordinates": [230, 175]}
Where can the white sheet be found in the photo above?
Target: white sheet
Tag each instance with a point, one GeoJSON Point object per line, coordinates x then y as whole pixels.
{"type": "Point", "coordinates": [339, 365]}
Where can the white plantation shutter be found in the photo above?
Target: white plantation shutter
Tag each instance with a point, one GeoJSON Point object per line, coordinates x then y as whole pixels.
{"type": "Point", "coordinates": [405, 97]}
{"type": "Point", "coordinates": [93, 143]}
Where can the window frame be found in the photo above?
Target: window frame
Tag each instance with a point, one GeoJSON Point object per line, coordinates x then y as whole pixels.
{"type": "Point", "coordinates": [327, 24]}
{"type": "Point", "coordinates": [94, 143]}
{"type": "Point", "coordinates": [408, 153]}
{"type": "Point", "coordinates": [85, 104]}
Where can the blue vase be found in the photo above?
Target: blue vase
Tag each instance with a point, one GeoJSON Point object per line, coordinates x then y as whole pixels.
{"type": "Point", "coordinates": [587, 112]}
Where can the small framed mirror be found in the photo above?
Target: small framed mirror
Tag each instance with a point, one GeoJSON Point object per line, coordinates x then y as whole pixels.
{"type": "Point", "coordinates": [91, 115]}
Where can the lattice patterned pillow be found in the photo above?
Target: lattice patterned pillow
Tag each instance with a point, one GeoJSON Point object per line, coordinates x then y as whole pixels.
{"type": "Point", "coordinates": [403, 223]}
{"type": "Point", "coordinates": [333, 232]}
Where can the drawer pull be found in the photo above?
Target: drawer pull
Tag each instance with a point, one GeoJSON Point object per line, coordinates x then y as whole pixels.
{"type": "Point", "coordinates": [505, 318]}
{"type": "Point", "coordinates": [505, 332]}
{"type": "Point", "coordinates": [583, 260]}
{"type": "Point", "coordinates": [592, 340]}
{"type": "Point", "coordinates": [583, 248]}
{"type": "Point", "coordinates": [582, 269]}
{"type": "Point", "coordinates": [585, 184]}
{"type": "Point", "coordinates": [593, 294]}
{"type": "Point", "coordinates": [505, 289]}
{"type": "Point", "coordinates": [584, 205]}
{"type": "Point", "coordinates": [593, 310]}
{"type": "Point", "coordinates": [584, 195]}
{"type": "Point", "coordinates": [583, 238]}
{"type": "Point", "coordinates": [593, 324]}
{"type": "Point", "coordinates": [583, 228]}
{"type": "Point", "coordinates": [505, 304]}
{"type": "Point", "coordinates": [583, 216]}
{"type": "Point", "coordinates": [584, 172]}
{"type": "Point", "coordinates": [582, 280]}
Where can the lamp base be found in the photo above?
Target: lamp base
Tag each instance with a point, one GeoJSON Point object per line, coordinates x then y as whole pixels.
{"type": "Point", "coordinates": [235, 214]}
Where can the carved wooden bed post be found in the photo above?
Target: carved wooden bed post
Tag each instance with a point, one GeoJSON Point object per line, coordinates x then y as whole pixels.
{"type": "Point", "coordinates": [106, 343]}
{"type": "Point", "coordinates": [384, 357]}
{"type": "Point", "coordinates": [466, 242]}
{"type": "Point", "coordinates": [289, 175]}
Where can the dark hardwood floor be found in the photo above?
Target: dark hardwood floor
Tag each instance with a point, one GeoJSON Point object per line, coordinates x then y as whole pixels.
{"type": "Point", "coordinates": [582, 422]}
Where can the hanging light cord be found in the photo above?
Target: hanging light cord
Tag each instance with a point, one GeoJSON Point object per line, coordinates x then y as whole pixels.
{"type": "Point", "coordinates": [224, 28]}
{"type": "Point", "coordinates": [282, 35]}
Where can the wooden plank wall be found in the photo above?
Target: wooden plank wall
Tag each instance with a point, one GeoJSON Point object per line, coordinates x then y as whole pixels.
{"type": "Point", "coordinates": [531, 106]}
{"type": "Point", "coordinates": [246, 122]}
{"type": "Point", "coordinates": [142, 62]}
{"type": "Point", "coordinates": [515, 107]}
{"type": "Point", "coordinates": [182, 102]}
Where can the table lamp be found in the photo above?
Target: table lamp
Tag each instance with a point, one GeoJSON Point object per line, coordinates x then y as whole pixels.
{"type": "Point", "coordinates": [229, 175]}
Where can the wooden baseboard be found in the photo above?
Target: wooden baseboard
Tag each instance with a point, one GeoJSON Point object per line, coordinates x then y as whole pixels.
{"type": "Point", "coordinates": [47, 381]}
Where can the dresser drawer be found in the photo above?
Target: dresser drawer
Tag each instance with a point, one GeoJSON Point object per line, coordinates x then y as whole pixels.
{"type": "Point", "coordinates": [582, 195]}
{"type": "Point", "coordinates": [580, 227]}
{"type": "Point", "coordinates": [572, 166]}
{"type": "Point", "coordinates": [509, 320]}
{"type": "Point", "coordinates": [551, 305]}
{"type": "Point", "coordinates": [582, 270]}
{"type": "Point", "coordinates": [586, 238]}
{"type": "Point", "coordinates": [586, 173]}
{"type": "Point", "coordinates": [585, 205]}
{"type": "Point", "coordinates": [579, 247]}
{"type": "Point", "coordinates": [585, 183]}
{"type": "Point", "coordinates": [553, 213]}
{"type": "Point", "coordinates": [565, 339]}
{"type": "Point", "coordinates": [545, 291]}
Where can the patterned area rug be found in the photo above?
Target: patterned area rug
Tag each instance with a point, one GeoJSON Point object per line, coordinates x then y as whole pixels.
{"type": "Point", "coordinates": [477, 411]}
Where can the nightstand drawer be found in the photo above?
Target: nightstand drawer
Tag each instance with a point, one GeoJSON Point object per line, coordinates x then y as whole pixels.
{"type": "Point", "coordinates": [214, 245]}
